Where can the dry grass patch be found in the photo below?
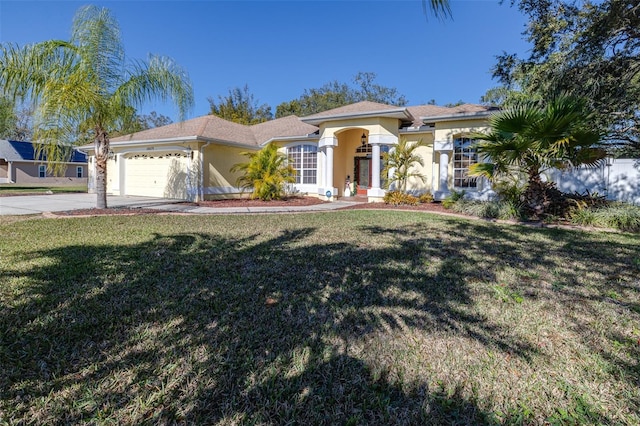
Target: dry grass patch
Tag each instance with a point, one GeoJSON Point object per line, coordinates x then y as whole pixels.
{"type": "Point", "coordinates": [354, 317]}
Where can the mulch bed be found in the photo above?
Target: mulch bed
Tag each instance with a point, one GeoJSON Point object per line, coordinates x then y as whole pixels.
{"type": "Point", "coordinates": [297, 201]}
{"type": "Point", "coordinates": [245, 202]}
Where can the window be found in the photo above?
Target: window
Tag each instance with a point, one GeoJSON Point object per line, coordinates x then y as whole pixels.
{"type": "Point", "coordinates": [304, 159]}
{"type": "Point", "coordinates": [42, 171]}
{"type": "Point", "coordinates": [463, 156]}
{"type": "Point", "coordinates": [79, 172]}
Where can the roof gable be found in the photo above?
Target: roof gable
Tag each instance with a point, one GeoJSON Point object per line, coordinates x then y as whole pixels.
{"type": "Point", "coordinates": [354, 109]}
{"type": "Point", "coordinates": [284, 127]}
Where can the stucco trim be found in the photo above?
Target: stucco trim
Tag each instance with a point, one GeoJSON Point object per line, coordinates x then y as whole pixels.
{"type": "Point", "coordinates": [327, 141]}
{"type": "Point", "coordinates": [380, 139]}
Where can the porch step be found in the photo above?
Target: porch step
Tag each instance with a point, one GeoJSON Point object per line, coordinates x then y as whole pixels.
{"type": "Point", "coordinates": [356, 199]}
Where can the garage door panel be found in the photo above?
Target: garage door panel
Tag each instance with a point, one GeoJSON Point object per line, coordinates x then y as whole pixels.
{"type": "Point", "coordinates": [157, 176]}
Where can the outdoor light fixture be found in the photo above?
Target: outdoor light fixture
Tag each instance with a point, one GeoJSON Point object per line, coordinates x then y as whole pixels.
{"type": "Point", "coordinates": [363, 139]}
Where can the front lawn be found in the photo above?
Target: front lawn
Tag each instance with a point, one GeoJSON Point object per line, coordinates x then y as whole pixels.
{"type": "Point", "coordinates": [7, 189]}
{"type": "Point", "coordinates": [353, 317]}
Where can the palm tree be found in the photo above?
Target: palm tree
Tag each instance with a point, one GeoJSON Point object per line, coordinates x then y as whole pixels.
{"type": "Point", "coordinates": [400, 161]}
{"type": "Point", "coordinates": [266, 173]}
{"type": "Point", "coordinates": [440, 8]}
{"type": "Point", "coordinates": [85, 85]}
{"type": "Point", "coordinates": [530, 138]}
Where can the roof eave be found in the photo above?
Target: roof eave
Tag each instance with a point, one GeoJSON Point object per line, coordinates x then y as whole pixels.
{"type": "Point", "coordinates": [308, 137]}
{"type": "Point", "coordinates": [400, 113]}
{"type": "Point", "coordinates": [457, 116]}
{"type": "Point", "coordinates": [167, 141]}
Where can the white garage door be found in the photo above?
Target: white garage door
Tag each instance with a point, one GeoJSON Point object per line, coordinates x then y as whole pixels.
{"type": "Point", "coordinates": [157, 175]}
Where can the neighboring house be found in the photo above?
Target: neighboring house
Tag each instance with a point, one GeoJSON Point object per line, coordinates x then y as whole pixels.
{"type": "Point", "coordinates": [191, 160]}
{"type": "Point", "coordinates": [18, 164]}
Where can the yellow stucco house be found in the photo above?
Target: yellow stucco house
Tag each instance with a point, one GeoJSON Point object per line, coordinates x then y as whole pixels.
{"type": "Point", "coordinates": [191, 160]}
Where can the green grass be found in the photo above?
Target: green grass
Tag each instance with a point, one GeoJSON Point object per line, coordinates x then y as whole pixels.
{"type": "Point", "coordinates": [13, 189]}
{"type": "Point", "coordinates": [354, 317]}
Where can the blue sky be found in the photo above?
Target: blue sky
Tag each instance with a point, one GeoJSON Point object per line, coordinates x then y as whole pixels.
{"type": "Point", "coordinates": [281, 48]}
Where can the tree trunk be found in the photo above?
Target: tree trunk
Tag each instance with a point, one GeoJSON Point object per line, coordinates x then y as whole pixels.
{"type": "Point", "coordinates": [101, 146]}
{"type": "Point", "coordinates": [542, 198]}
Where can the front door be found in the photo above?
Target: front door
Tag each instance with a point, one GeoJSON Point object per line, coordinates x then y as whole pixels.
{"type": "Point", "coordinates": [362, 173]}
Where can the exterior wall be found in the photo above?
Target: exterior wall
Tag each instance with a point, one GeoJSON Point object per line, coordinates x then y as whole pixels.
{"type": "Point", "coordinates": [444, 134]}
{"type": "Point", "coordinates": [4, 171]}
{"type": "Point", "coordinates": [219, 181]}
{"type": "Point", "coordinates": [449, 130]}
{"type": "Point", "coordinates": [372, 126]}
{"type": "Point", "coordinates": [23, 172]}
{"type": "Point", "coordinates": [416, 185]}
{"type": "Point", "coordinates": [113, 176]}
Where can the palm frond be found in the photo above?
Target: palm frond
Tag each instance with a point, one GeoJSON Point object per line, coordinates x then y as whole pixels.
{"type": "Point", "coordinates": [159, 78]}
{"type": "Point", "coordinates": [96, 34]}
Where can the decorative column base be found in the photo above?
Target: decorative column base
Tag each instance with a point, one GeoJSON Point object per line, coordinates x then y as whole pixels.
{"type": "Point", "coordinates": [330, 194]}
{"type": "Point", "coordinates": [375, 195]}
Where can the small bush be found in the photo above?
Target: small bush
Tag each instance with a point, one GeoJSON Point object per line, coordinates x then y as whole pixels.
{"type": "Point", "coordinates": [451, 200]}
{"type": "Point", "coordinates": [399, 198]}
{"type": "Point", "coordinates": [583, 217]}
{"type": "Point", "coordinates": [425, 198]}
{"type": "Point", "coordinates": [624, 217]}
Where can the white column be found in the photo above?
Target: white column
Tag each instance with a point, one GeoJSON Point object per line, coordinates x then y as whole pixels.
{"type": "Point", "coordinates": [10, 171]}
{"type": "Point", "coordinates": [375, 167]}
{"type": "Point", "coordinates": [329, 171]}
{"type": "Point", "coordinates": [322, 170]}
{"type": "Point", "coordinates": [444, 172]}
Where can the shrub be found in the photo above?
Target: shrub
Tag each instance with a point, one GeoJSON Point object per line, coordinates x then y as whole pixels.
{"type": "Point", "coordinates": [624, 217]}
{"type": "Point", "coordinates": [398, 198]}
{"type": "Point", "coordinates": [425, 198]}
{"type": "Point", "coordinates": [448, 202]}
{"type": "Point", "coordinates": [267, 173]}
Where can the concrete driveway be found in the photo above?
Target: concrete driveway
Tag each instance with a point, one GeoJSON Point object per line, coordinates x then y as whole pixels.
{"type": "Point", "coordinates": [36, 204]}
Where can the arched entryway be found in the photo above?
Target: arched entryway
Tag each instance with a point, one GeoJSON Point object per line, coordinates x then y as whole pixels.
{"type": "Point", "coordinates": [363, 167]}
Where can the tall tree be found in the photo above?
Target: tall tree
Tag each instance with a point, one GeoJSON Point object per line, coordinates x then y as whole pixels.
{"type": "Point", "coordinates": [589, 49]}
{"type": "Point", "coordinates": [240, 106]}
{"type": "Point", "coordinates": [86, 84]}
{"type": "Point", "coordinates": [530, 138]}
{"type": "Point", "coordinates": [153, 119]}
{"type": "Point", "coordinates": [335, 94]}
{"type": "Point", "coordinates": [8, 119]}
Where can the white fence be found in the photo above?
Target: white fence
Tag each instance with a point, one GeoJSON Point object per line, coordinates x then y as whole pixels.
{"type": "Point", "coordinates": [618, 179]}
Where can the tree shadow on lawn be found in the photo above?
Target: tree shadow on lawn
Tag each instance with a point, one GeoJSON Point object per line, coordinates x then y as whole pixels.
{"type": "Point", "coordinates": [201, 328]}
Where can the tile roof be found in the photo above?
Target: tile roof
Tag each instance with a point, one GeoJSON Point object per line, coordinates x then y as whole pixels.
{"type": "Point", "coordinates": [282, 127]}
{"type": "Point", "coordinates": [25, 151]}
{"type": "Point", "coordinates": [215, 128]}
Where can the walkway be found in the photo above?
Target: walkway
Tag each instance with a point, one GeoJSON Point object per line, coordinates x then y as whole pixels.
{"type": "Point", "coordinates": [38, 204]}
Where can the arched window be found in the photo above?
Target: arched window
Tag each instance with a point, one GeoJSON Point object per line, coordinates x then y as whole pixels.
{"type": "Point", "coordinates": [463, 156]}
{"type": "Point", "coordinates": [304, 159]}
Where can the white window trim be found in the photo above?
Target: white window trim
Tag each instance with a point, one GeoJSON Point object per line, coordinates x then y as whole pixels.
{"type": "Point", "coordinates": [476, 181]}
{"type": "Point", "coordinates": [42, 171]}
{"type": "Point", "coordinates": [306, 187]}
{"type": "Point", "coordinates": [79, 172]}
